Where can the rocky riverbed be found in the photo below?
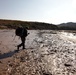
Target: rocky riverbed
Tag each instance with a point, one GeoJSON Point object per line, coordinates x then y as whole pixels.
{"type": "Point", "coordinates": [48, 52]}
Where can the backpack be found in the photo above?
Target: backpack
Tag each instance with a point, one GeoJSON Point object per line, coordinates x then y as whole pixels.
{"type": "Point", "coordinates": [20, 31]}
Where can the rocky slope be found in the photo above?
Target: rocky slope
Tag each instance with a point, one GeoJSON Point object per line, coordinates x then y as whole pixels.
{"type": "Point", "coordinates": [67, 26]}
{"type": "Point", "coordinates": [47, 53]}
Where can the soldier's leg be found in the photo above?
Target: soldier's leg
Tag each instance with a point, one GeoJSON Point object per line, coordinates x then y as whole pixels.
{"type": "Point", "coordinates": [20, 44]}
{"type": "Point", "coordinates": [23, 42]}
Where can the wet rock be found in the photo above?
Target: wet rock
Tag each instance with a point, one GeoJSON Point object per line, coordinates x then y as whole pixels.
{"type": "Point", "coordinates": [67, 65]}
{"type": "Point", "coordinates": [46, 74]}
{"type": "Point", "coordinates": [53, 53]}
{"type": "Point", "coordinates": [22, 59]}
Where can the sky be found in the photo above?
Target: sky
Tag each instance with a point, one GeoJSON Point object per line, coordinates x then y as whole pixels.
{"type": "Point", "coordinates": [48, 11]}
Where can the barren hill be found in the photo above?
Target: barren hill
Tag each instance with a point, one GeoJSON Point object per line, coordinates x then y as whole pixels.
{"type": "Point", "coordinates": [32, 25]}
{"type": "Point", "coordinates": [67, 26]}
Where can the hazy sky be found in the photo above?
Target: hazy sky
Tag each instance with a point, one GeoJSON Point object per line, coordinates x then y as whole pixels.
{"type": "Point", "coordinates": [50, 11]}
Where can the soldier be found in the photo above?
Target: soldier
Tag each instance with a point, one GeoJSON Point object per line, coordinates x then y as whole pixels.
{"type": "Point", "coordinates": [22, 33]}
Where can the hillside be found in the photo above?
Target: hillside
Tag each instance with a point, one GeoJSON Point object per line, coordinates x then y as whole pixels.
{"type": "Point", "coordinates": [12, 24]}
{"type": "Point", "coordinates": [67, 26]}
